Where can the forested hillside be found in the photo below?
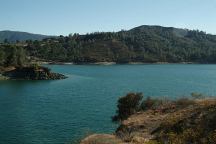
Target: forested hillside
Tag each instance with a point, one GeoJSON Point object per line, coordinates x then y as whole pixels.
{"type": "Point", "coordinates": [11, 55]}
{"type": "Point", "coordinates": [141, 44]}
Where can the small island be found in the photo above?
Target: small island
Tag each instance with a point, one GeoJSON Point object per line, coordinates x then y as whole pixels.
{"type": "Point", "coordinates": [15, 65]}
{"type": "Point", "coordinates": [32, 73]}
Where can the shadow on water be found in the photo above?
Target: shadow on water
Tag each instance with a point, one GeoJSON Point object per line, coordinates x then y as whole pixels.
{"type": "Point", "coordinates": [13, 86]}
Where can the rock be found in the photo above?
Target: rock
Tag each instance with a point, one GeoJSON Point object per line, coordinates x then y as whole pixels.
{"type": "Point", "coordinates": [33, 73]}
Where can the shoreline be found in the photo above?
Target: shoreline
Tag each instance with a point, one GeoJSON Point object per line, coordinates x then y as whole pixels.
{"type": "Point", "coordinates": [115, 63]}
{"type": "Point", "coordinates": [30, 73]}
{"type": "Point", "coordinates": [153, 124]}
{"type": "Point", "coordinates": [2, 78]}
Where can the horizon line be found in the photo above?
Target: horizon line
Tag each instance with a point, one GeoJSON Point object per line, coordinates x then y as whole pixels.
{"type": "Point", "coordinates": [85, 33]}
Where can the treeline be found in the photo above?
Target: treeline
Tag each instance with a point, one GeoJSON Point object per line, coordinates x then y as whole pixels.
{"type": "Point", "coordinates": [11, 55]}
{"type": "Point", "coordinates": [141, 44]}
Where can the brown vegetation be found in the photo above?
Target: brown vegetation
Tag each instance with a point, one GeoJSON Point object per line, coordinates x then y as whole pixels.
{"type": "Point", "coordinates": [182, 121]}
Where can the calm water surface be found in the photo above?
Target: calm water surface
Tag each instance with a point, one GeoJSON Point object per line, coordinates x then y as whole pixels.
{"type": "Point", "coordinates": [58, 112]}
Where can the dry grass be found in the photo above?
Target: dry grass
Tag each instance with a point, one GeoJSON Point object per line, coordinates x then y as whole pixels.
{"type": "Point", "coordinates": [185, 121]}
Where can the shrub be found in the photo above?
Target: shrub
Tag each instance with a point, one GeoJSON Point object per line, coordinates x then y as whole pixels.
{"type": "Point", "coordinates": [127, 105]}
{"type": "Point", "coordinates": [184, 102]}
{"type": "Point", "coordinates": [148, 103]}
{"type": "Point", "coordinates": [35, 66]}
{"type": "Point", "coordinates": [197, 95]}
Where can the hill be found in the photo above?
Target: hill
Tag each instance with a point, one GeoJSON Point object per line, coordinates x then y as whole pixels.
{"type": "Point", "coordinates": [141, 44]}
{"type": "Point", "coordinates": [13, 36]}
{"type": "Point", "coordinates": [182, 121]}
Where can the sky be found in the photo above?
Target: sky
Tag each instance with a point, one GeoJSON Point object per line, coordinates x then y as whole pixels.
{"type": "Point", "coordinates": [62, 17]}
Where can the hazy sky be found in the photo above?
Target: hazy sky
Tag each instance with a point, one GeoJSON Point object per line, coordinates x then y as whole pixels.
{"type": "Point", "coordinates": [57, 17]}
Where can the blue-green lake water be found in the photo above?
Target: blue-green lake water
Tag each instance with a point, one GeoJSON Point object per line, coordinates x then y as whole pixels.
{"type": "Point", "coordinates": [58, 112]}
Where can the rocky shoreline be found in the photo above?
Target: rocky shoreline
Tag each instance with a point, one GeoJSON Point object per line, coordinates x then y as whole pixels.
{"type": "Point", "coordinates": [108, 63]}
{"type": "Point", "coordinates": [31, 73]}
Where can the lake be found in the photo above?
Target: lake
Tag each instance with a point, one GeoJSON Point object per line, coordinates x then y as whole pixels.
{"type": "Point", "coordinates": [60, 111]}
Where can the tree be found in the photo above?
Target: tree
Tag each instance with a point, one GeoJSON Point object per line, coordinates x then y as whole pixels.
{"type": "Point", "coordinates": [127, 105]}
{"type": "Point", "coordinates": [11, 55]}
{"type": "Point", "coordinates": [142, 44]}
{"type": "Point", "coordinates": [2, 57]}
{"type": "Point", "coordinates": [6, 41]}
{"type": "Point", "coordinates": [148, 103]}
{"type": "Point", "coordinates": [21, 57]}
{"type": "Point", "coordinates": [11, 59]}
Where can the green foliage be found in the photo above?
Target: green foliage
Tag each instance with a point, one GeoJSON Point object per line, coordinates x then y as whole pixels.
{"type": "Point", "coordinates": [149, 103]}
{"type": "Point", "coordinates": [141, 44]}
{"type": "Point", "coordinates": [2, 57]}
{"type": "Point", "coordinates": [36, 66]}
{"type": "Point", "coordinates": [11, 55]}
{"type": "Point", "coordinates": [21, 57]}
{"type": "Point", "coordinates": [127, 106]}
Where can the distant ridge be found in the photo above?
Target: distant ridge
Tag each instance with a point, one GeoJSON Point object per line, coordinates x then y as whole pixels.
{"type": "Point", "coordinates": [13, 36]}
{"type": "Point", "coordinates": [146, 43]}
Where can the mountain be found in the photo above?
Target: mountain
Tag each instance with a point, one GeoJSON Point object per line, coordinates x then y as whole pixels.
{"type": "Point", "coordinates": [141, 44]}
{"type": "Point", "coordinates": [13, 36]}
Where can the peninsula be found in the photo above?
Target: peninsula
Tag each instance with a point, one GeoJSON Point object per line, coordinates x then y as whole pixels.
{"type": "Point", "coordinates": [157, 121]}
